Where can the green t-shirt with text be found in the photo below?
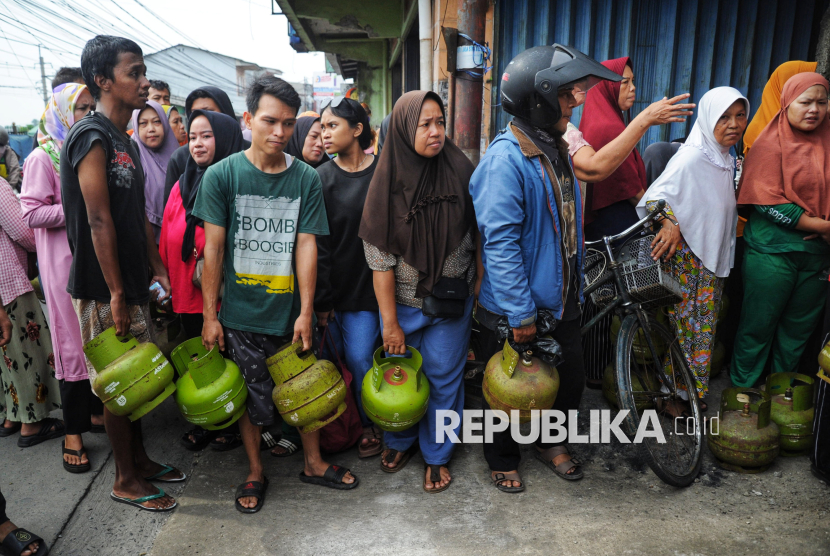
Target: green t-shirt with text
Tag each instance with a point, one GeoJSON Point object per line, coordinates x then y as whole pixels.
{"type": "Point", "coordinates": [262, 213]}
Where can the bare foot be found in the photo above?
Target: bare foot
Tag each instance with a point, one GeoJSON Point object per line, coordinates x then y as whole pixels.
{"type": "Point", "coordinates": [9, 424]}
{"type": "Point", "coordinates": [75, 442]}
{"type": "Point", "coordinates": [7, 528]}
{"type": "Point", "coordinates": [445, 478]}
{"type": "Point", "coordinates": [141, 488]}
{"type": "Point", "coordinates": [370, 438]}
{"type": "Point", "coordinates": [97, 420]}
{"type": "Point", "coordinates": [319, 469]}
{"type": "Point", "coordinates": [506, 482]}
{"type": "Point", "coordinates": [251, 501]}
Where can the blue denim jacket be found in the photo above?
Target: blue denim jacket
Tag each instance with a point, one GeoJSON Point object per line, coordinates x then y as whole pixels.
{"type": "Point", "coordinates": [516, 209]}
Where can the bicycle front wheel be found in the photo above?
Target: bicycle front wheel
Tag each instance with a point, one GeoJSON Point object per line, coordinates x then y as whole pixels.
{"type": "Point", "coordinates": [653, 376]}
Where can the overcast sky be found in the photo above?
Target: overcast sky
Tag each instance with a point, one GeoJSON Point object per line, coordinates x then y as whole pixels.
{"type": "Point", "coordinates": [243, 29]}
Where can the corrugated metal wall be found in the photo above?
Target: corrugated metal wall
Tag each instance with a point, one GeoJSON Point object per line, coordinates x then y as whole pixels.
{"type": "Point", "coordinates": [677, 46]}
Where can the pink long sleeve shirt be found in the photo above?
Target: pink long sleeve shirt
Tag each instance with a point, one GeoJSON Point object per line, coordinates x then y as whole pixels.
{"type": "Point", "coordinates": [40, 200]}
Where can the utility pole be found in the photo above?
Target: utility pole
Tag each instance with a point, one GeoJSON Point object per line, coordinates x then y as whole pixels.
{"type": "Point", "coordinates": [43, 77]}
{"type": "Point", "coordinates": [472, 16]}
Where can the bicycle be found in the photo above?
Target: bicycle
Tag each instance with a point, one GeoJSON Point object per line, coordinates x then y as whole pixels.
{"type": "Point", "coordinates": [650, 369]}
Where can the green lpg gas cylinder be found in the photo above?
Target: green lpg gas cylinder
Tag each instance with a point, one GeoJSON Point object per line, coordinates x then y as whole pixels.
{"type": "Point", "coordinates": [211, 392]}
{"type": "Point", "coordinates": [824, 363]}
{"type": "Point", "coordinates": [639, 348]}
{"type": "Point", "coordinates": [519, 382]}
{"type": "Point", "coordinates": [792, 410]}
{"type": "Point", "coordinates": [746, 439]}
{"type": "Point", "coordinates": [395, 391]}
{"type": "Point", "coordinates": [309, 394]}
{"type": "Point", "coordinates": [609, 389]}
{"type": "Point", "coordinates": [132, 378]}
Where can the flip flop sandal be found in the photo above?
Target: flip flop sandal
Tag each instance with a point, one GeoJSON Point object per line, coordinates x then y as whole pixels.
{"type": "Point", "coordinates": [501, 477]}
{"type": "Point", "coordinates": [4, 432]}
{"type": "Point", "coordinates": [562, 469]}
{"type": "Point", "coordinates": [19, 540]}
{"type": "Point", "coordinates": [392, 454]}
{"type": "Point", "coordinates": [435, 477]}
{"type": "Point", "coordinates": [165, 469]}
{"type": "Point", "coordinates": [268, 441]}
{"type": "Point", "coordinates": [252, 488]}
{"type": "Point", "coordinates": [369, 433]}
{"type": "Point", "coordinates": [45, 433]}
{"type": "Point", "coordinates": [201, 438]}
{"type": "Point", "coordinates": [76, 468]}
{"type": "Point", "coordinates": [332, 478]}
{"type": "Point", "coordinates": [232, 440]}
{"type": "Point", "coordinates": [289, 447]}
{"type": "Point", "coordinates": [100, 429]}
{"type": "Point", "coordinates": [136, 502]}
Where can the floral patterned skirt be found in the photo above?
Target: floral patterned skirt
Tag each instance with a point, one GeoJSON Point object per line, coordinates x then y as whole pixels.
{"type": "Point", "coordinates": [27, 376]}
{"type": "Point", "coordinates": [695, 317]}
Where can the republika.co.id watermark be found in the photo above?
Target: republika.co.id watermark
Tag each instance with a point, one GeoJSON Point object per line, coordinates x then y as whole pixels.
{"type": "Point", "coordinates": [479, 426]}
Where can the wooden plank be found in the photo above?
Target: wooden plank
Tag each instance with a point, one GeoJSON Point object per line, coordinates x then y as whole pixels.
{"type": "Point", "coordinates": [564, 19]}
{"type": "Point", "coordinates": [782, 39]}
{"type": "Point", "coordinates": [761, 52]}
{"type": "Point", "coordinates": [623, 35]}
{"type": "Point", "coordinates": [804, 11]}
{"type": "Point", "coordinates": [664, 61]}
{"type": "Point", "coordinates": [603, 30]}
{"type": "Point", "coordinates": [725, 43]}
{"type": "Point", "coordinates": [583, 30]}
{"type": "Point", "coordinates": [541, 22]}
{"type": "Point", "coordinates": [744, 38]}
{"type": "Point", "coordinates": [684, 60]}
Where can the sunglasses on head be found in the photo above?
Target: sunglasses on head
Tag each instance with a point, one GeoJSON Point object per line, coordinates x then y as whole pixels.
{"type": "Point", "coordinates": [337, 101]}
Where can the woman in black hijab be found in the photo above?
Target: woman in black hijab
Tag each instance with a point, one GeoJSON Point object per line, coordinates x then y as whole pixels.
{"type": "Point", "coordinates": [419, 235]}
{"type": "Point", "coordinates": [306, 142]}
{"type": "Point", "coordinates": [213, 136]}
{"type": "Point", "coordinates": [207, 98]}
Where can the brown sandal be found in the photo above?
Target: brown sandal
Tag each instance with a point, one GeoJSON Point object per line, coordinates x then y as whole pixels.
{"type": "Point", "coordinates": [369, 433]}
{"type": "Point", "coordinates": [562, 469]}
{"type": "Point", "coordinates": [435, 477]}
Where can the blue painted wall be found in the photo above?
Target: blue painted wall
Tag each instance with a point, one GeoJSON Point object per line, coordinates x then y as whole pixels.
{"type": "Point", "coordinates": [677, 46]}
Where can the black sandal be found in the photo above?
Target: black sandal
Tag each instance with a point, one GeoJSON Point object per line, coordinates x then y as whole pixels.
{"type": "Point", "coordinates": [332, 478]}
{"type": "Point", "coordinates": [8, 431]}
{"type": "Point", "coordinates": [435, 477]}
{"type": "Point", "coordinates": [232, 440]}
{"type": "Point", "coordinates": [76, 468]}
{"type": "Point", "coordinates": [392, 454]}
{"type": "Point", "coordinates": [252, 488]}
{"type": "Point", "coordinates": [501, 477]}
{"type": "Point", "coordinates": [19, 540]}
{"type": "Point", "coordinates": [201, 438]}
{"type": "Point", "coordinates": [49, 429]}
{"type": "Point", "coordinates": [562, 469]}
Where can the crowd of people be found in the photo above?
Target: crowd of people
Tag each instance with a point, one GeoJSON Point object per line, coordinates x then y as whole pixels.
{"type": "Point", "coordinates": [302, 223]}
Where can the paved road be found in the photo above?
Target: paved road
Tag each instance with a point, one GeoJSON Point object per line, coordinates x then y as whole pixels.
{"type": "Point", "coordinates": [619, 508]}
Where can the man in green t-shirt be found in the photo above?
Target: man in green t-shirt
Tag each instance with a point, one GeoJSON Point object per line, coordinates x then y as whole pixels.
{"type": "Point", "coordinates": [262, 210]}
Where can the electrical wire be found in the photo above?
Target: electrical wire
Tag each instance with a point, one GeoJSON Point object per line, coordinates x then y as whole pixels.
{"type": "Point", "coordinates": [485, 54]}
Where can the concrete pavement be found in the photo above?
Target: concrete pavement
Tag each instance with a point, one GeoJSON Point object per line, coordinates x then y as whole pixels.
{"type": "Point", "coordinates": [620, 507]}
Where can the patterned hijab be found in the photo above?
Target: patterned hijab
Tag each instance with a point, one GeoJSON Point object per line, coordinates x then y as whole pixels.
{"type": "Point", "coordinates": [57, 118]}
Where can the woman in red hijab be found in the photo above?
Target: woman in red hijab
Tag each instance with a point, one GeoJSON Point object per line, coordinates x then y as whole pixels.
{"type": "Point", "coordinates": [786, 177]}
{"type": "Point", "coordinates": [613, 199]}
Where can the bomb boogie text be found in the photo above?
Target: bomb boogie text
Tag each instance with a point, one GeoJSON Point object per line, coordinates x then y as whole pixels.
{"type": "Point", "coordinates": [269, 225]}
{"type": "Point", "coordinates": [550, 424]}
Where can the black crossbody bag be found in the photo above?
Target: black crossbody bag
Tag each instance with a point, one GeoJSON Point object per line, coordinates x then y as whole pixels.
{"type": "Point", "coordinates": [448, 299]}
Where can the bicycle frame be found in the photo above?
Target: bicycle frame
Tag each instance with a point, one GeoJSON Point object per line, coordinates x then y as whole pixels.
{"type": "Point", "coordinates": [623, 300]}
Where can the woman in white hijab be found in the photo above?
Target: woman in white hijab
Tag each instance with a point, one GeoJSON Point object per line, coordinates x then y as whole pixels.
{"type": "Point", "coordinates": [699, 189]}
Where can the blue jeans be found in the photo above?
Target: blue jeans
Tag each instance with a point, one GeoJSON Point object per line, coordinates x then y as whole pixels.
{"type": "Point", "coordinates": [356, 334]}
{"type": "Point", "coordinates": [443, 344]}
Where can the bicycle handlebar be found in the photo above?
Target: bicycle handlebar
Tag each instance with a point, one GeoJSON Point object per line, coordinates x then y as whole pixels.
{"type": "Point", "coordinates": [659, 210]}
